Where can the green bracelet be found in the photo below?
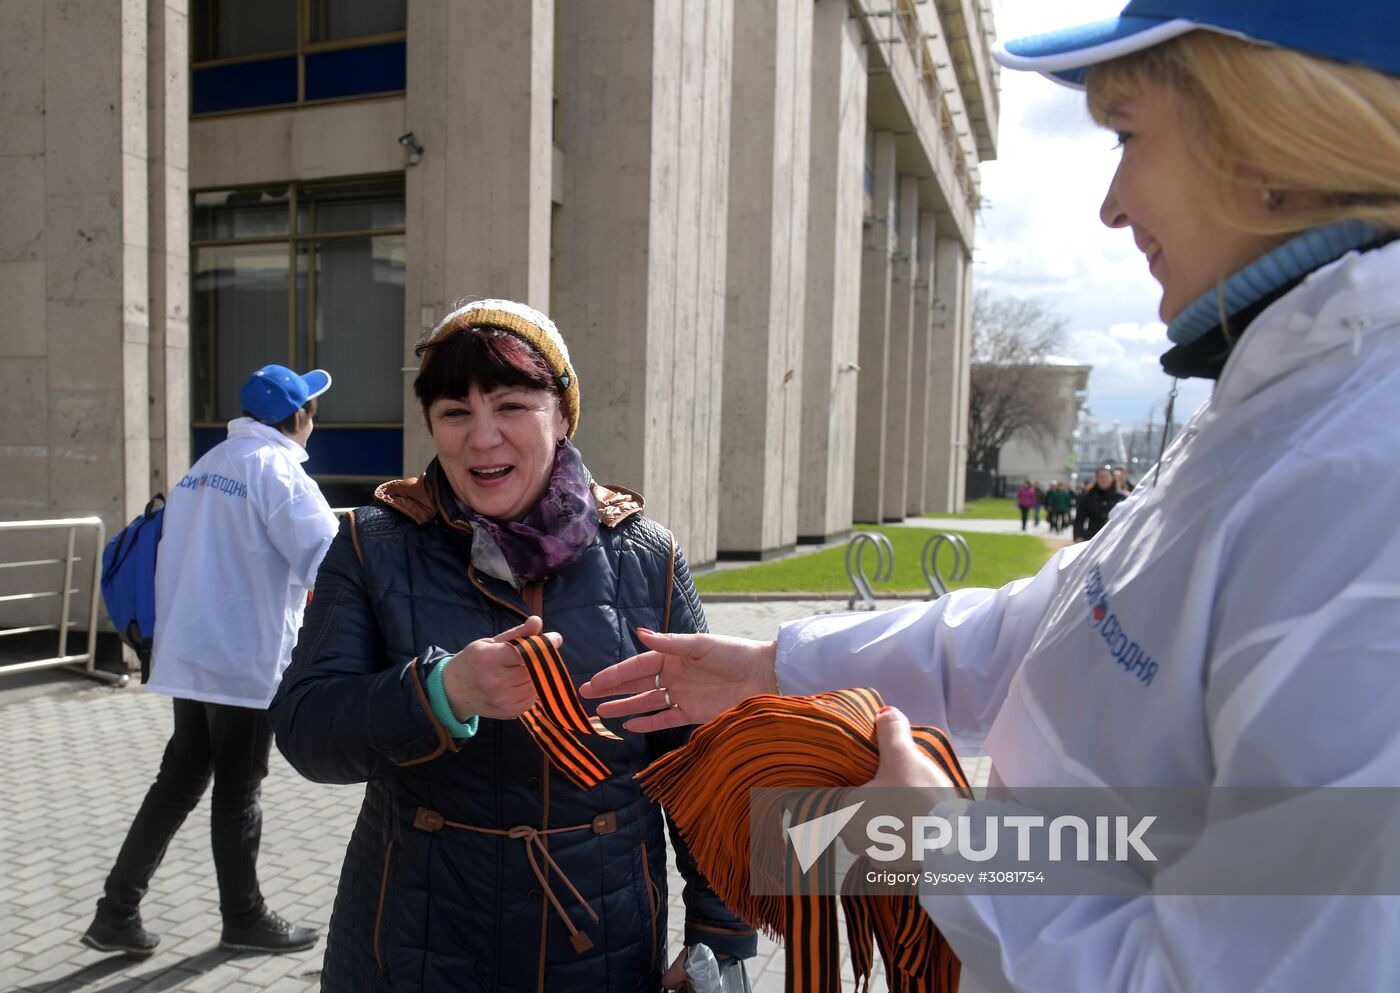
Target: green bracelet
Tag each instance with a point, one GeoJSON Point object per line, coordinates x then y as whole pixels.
{"type": "Point", "coordinates": [442, 710]}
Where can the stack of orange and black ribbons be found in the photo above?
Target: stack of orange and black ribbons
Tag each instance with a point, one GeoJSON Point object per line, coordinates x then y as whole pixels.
{"type": "Point", "coordinates": [559, 718]}
{"type": "Point", "coordinates": [808, 750]}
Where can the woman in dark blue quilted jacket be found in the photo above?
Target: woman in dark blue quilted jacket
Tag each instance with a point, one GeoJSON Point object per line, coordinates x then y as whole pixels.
{"type": "Point", "coordinates": [494, 850]}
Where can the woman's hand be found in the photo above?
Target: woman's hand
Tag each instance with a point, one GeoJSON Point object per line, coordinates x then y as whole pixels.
{"type": "Point", "coordinates": [902, 762]}
{"type": "Point", "coordinates": [705, 674]}
{"type": "Point", "coordinates": [487, 677]}
{"type": "Point", "coordinates": [899, 785]}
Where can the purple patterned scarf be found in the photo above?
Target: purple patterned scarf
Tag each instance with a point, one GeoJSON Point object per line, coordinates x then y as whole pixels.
{"type": "Point", "coordinates": [551, 537]}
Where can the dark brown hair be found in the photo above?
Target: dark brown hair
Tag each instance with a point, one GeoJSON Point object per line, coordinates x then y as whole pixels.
{"type": "Point", "coordinates": [476, 355]}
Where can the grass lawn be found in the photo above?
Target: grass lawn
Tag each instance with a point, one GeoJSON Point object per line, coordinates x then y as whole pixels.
{"type": "Point", "coordinates": [996, 560]}
{"type": "Point", "coordinates": [988, 507]}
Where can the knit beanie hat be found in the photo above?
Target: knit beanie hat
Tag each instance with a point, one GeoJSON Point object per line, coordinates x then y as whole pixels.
{"type": "Point", "coordinates": [531, 327]}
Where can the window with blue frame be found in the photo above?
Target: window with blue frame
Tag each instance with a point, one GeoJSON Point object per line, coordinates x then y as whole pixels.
{"type": "Point", "coordinates": [308, 275]}
{"type": "Point", "coordinates": [254, 54]}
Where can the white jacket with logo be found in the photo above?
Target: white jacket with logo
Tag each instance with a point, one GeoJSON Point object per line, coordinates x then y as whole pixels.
{"type": "Point", "coordinates": [245, 531]}
{"type": "Point", "coordinates": [1237, 623]}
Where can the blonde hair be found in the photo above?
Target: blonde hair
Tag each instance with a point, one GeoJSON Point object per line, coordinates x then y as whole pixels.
{"type": "Point", "coordinates": [1323, 134]}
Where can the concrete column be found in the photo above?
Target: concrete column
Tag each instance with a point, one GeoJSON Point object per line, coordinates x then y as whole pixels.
{"type": "Point", "coordinates": [640, 245]}
{"type": "Point", "coordinates": [897, 392]}
{"type": "Point", "coordinates": [964, 319]}
{"type": "Point", "coordinates": [875, 292]}
{"type": "Point", "coordinates": [25, 344]}
{"type": "Point", "coordinates": [77, 183]}
{"type": "Point", "coordinates": [766, 284]}
{"type": "Point", "coordinates": [168, 190]}
{"type": "Point", "coordinates": [134, 252]}
{"type": "Point", "coordinates": [74, 265]}
{"type": "Point", "coordinates": [834, 232]}
{"type": "Point", "coordinates": [479, 99]}
{"type": "Point", "coordinates": [948, 364]}
{"type": "Point", "coordinates": [916, 498]}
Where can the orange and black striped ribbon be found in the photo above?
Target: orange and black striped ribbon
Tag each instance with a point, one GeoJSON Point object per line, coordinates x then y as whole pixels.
{"type": "Point", "coordinates": [812, 948]}
{"type": "Point", "coordinates": [802, 753]}
{"type": "Point", "coordinates": [558, 720]}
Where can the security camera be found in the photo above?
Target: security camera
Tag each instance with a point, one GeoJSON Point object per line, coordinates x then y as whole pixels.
{"type": "Point", "coordinates": [415, 151]}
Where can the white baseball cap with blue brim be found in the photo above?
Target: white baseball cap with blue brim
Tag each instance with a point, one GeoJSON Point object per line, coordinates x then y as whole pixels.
{"type": "Point", "coordinates": [1363, 32]}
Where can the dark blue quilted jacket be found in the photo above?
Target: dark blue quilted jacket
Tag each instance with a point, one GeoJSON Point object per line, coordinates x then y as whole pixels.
{"type": "Point", "coordinates": [423, 905]}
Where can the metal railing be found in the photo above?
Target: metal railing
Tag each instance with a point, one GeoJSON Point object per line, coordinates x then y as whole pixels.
{"type": "Point", "coordinates": [83, 662]}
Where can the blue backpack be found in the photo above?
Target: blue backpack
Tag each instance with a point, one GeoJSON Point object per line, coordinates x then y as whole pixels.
{"type": "Point", "coordinates": [129, 580]}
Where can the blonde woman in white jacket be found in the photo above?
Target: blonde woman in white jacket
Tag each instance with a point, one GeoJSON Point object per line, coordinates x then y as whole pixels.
{"type": "Point", "coordinates": [1205, 638]}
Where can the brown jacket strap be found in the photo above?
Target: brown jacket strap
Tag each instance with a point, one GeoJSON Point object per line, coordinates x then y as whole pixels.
{"type": "Point", "coordinates": [355, 538]}
{"type": "Point", "coordinates": [533, 595]}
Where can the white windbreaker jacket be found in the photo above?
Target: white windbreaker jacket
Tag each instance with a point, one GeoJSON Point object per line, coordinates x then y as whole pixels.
{"type": "Point", "coordinates": [245, 531]}
{"type": "Point", "coordinates": [1237, 623]}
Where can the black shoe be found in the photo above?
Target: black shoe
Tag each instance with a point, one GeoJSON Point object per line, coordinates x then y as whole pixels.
{"type": "Point", "coordinates": [269, 933]}
{"type": "Point", "coordinates": [130, 938]}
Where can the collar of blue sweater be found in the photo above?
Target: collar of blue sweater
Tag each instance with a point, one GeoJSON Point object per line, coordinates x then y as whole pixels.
{"type": "Point", "coordinates": [1270, 272]}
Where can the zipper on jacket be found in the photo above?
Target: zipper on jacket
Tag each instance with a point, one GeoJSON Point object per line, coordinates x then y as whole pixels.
{"type": "Point", "coordinates": [653, 899]}
{"type": "Point", "coordinates": [379, 911]}
{"type": "Point", "coordinates": [481, 588]}
{"type": "Point", "coordinates": [544, 908]}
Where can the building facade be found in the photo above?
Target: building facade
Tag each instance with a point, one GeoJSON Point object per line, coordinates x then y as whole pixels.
{"type": "Point", "coordinates": [1051, 453]}
{"type": "Point", "coordinates": [751, 220]}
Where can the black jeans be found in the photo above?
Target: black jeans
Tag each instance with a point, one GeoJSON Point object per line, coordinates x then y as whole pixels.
{"type": "Point", "coordinates": [231, 745]}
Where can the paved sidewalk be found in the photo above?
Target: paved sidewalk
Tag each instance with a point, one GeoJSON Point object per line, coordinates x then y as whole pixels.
{"type": "Point", "coordinates": [78, 762]}
{"type": "Point", "coordinates": [984, 525]}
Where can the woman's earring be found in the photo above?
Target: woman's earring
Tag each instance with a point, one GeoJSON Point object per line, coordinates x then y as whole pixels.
{"type": "Point", "coordinates": [560, 443]}
{"type": "Point", "coordinates": [1272, 199]}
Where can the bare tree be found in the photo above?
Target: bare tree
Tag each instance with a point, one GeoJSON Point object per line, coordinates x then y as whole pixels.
{"type": "Point", "coordinates": [1011, 390]}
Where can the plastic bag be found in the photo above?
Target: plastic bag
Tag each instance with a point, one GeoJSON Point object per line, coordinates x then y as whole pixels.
{"type": "Point", "coordinates": [706, 974]}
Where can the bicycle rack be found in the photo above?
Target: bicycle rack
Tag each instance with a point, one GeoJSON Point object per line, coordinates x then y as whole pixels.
{"type": "Point", "coordinates": [928, 561]}
{"type": "Point", "coordinates": [855, 570]}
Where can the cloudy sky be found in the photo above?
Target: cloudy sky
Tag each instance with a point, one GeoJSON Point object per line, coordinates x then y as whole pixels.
{"type": "Point", "coordinates": [1040, 234]}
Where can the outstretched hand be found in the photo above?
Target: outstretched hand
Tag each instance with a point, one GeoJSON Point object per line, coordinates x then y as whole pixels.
{"type": "Point", "coordinates": [487, 677]}
{"type": "Point", "coordinates": [705, 675]}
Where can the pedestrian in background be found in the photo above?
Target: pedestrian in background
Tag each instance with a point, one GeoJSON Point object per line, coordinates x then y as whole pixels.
{"type": "Point", "coordinates": [245, 530]}
{"type": "Point", "coordinates": [1026, 499]}
{"type": "Point", "coordinates": [1060, 500]}
{"type": "Point", "coordinates": [1096, 503]}
{"type": "Point", "coordinates": [1259, 176]}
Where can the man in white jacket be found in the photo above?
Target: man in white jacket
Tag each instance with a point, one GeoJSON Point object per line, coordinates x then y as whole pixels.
{"type": "Point", "coordinates": [245, 531]}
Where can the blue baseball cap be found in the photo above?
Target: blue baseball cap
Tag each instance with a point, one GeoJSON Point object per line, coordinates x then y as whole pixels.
{"type": "Point", "coordinates": [1364, 32]}
{"type": "Point", "coordinates": [274, 392]}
